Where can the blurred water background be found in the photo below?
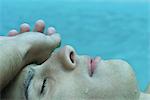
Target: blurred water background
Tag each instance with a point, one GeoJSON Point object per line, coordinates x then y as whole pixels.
{"type": "Point", "coordinates": [110, 29]}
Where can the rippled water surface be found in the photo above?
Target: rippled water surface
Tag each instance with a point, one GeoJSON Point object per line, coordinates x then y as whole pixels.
{"type": "Point", "coordinates": [111, 30]}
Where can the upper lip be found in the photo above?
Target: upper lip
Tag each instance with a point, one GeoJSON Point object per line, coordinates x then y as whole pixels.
{"type": "Point", "coordinates": [92, 65]}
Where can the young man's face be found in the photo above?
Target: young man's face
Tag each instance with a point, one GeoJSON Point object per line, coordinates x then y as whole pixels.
{"type": "Point", "coordinates": [68, 76]}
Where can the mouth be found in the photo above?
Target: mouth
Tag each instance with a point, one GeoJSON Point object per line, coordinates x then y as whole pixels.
{"type": "Point", "coordinates": [92, 64]}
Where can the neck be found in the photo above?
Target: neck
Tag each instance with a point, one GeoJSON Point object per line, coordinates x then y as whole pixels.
{"type": "Point", "coordinates": [144, 96]}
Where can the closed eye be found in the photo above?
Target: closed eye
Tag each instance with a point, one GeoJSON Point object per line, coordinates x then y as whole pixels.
{"type": "Point", "coordinates": [28, 80]}
{"type": "Point", "coordinates": [43, 86]}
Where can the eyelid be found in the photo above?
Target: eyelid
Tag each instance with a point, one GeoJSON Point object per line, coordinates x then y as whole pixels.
{"type": "Point", "coordinates": [28, 80]}
{"type": "Point", "coordinates": [43, 86]}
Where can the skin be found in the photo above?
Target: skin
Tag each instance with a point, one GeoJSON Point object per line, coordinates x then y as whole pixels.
{"type": "Point", "coordinates": [23, 48]}
{"type": "Point", "coordinates": [148, 89]}
{"type": "Point", "coordinates": [66, 75]}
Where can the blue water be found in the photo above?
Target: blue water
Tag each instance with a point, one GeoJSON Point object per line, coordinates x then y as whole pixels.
{"type": "Point", "coordinates": [110, 29]}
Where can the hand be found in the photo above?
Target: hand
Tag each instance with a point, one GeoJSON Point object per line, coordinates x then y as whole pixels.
{"type": "Point", "coordinates": [25, 47]}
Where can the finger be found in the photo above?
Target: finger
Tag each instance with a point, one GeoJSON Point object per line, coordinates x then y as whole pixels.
{"type": "Point", "coordinates": [24, 28]}
{"type": "Point", "coordinates": [51, 30]}
{"type": "Point", "coordinates": [12, 32]}
{"type": "Point", "coordinates": [39, 26]}
{"type": "Point", "coordinates": [54, 40]}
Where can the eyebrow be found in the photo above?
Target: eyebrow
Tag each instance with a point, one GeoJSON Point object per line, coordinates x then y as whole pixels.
{"type": "Point", "coordinates": [30, 75]}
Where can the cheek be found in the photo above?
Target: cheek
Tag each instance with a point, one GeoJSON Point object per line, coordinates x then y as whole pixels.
{"type": "Point", "coordinates": [67, 89]}
{"type": "Point", "coordinates": [52, 63]}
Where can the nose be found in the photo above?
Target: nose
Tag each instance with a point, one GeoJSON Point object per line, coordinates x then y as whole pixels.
{"type": "Point", "coordinates": [68, 57]}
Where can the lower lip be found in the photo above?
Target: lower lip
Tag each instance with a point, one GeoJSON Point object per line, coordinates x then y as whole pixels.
{"type": "Point", "coordinates": [93, 65]}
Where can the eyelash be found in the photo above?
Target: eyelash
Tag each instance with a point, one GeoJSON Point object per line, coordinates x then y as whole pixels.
{"type": "Point", "coordinates": [43, 86]}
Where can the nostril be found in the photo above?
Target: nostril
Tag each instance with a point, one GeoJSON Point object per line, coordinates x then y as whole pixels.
{"type": "Point", "coordinates": [72, 56]}
{"type": "Point", "coordinates": [68, 57]}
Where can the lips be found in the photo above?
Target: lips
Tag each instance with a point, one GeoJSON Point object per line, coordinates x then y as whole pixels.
{"type": "Point", "coordinates": [92, 65]}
